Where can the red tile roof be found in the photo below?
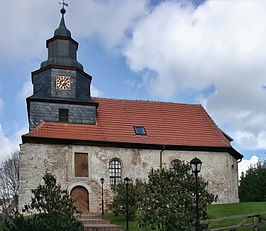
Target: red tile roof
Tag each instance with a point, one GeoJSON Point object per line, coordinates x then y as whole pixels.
{"type": "Point", "coordinates": [165, 124]}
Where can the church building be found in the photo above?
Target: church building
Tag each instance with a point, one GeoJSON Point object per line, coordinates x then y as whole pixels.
{"type": "Point", "coordinates": [81, 139]}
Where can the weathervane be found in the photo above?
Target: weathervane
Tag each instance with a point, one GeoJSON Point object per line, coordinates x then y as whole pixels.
{"type": "Point", "coordinates": [63, 3]}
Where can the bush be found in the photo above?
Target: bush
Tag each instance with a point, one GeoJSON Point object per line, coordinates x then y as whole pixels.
{"type": "Point", "coordinates": [55, 210]}
{"type": "Point", "coordinates": [166, 202]}
{"type": "Point", "coordinates": [169, 202]}
{"type": "Point", "coordinates": [135, 193]}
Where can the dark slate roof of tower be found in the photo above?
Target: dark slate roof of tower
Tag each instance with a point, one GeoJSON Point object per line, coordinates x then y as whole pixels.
{"type": "Point", "coordinates": [62, 30]}
{"type": "Point", "coordinates": [62, 49]}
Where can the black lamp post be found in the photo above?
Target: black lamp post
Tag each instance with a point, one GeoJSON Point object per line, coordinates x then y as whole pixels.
{"type": "Point", "coordinates": [102, 181]}
{"type": "Point", "coordinates": [126, 181]}
{"type": "Point", "coordinates": [195, 165]}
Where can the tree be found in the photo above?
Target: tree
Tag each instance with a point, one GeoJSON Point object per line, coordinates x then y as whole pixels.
{"type": "Point", "coordinates": [135, 193]}
{"type": "Point", "coordinates": [56, 210]}
{"type": "Point", "coordinates": [9, 170]}
{"type": "Point", "coordinates": [168, 200]}
{"type": "Point", "coordinates": [253, 184]}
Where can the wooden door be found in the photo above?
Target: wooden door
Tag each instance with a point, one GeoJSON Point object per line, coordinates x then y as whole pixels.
{"type": "Point", "coordinates": [81, 164]}
{"type": "Point", "coordinates": [81, 196]}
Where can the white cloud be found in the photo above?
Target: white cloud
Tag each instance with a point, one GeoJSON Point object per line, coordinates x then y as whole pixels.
{"type": "Point", "coordinates": [28, 23]}
{"type": "Point", "coordinates": [95, 92]}
{"type": "Point", "coordinates": [109, 20]}
{"type": "Point", "coordinates": [245, 164]}
{"type": "Point", "coordinates": [219, 44]}
{"type": "Point", "coordinates": [25, 91]}
{"type": "Point", "coordinates": [10, 144]}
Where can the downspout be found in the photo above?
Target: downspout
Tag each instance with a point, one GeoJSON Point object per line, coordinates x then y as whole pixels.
{"type": "Point", "coordinates": [161, 156]}
{"type": "Point", "coordinates": [238, 181]}
{"type": "Point", "coordinates": [238, 161]}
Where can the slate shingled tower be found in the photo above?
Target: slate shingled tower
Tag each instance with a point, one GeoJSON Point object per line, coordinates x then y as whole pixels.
{"type": "Point", "coordinates": [61, 89]}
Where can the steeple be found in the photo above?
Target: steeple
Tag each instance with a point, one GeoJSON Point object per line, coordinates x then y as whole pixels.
{"type": "Point", "coordinates": [62, 49]}
{"type": "Point", "coordinates": [61, 89]}
{"type": "Point", "coordinates": [62, 30]}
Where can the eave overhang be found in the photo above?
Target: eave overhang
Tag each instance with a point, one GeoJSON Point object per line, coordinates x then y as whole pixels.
{"type": "Point", "coordinates": [42, 140]}
{"type": "Point", "coordinates": [61, 68]}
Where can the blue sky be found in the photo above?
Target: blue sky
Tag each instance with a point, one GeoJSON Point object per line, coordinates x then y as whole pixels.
{"type": "Point", "coordinates": [210, 52]}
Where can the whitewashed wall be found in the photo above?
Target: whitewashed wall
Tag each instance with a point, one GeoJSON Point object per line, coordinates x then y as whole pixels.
{"type": "Point", "coordinates": [219, 169]}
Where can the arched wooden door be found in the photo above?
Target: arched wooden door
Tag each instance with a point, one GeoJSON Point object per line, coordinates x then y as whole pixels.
{"type": "Point", "coordinates": [81, 196]}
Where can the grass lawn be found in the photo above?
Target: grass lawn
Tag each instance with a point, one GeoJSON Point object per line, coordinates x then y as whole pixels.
{"type": "Point", "coordinates": [120, 220]}
{"type": "Point", "coordinates": [214, 211]}
{"type": "Point", "coordinates": [227, 210]}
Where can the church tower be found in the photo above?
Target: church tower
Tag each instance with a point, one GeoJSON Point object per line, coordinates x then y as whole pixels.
{"type": "Point", "coordinates": [61, 89]}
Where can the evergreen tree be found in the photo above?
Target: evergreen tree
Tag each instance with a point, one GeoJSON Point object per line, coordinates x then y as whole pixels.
{"type": "Point", "coordinates": [253, 184]}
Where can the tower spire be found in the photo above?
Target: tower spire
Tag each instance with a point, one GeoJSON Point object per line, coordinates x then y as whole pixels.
{"type": "Point", "coordinates": [62, 49]}
{"type": "Point", "coordinates": [62, 30]}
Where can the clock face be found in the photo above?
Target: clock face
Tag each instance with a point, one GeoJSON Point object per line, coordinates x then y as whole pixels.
{"type": "Point", "coordinates": [62, 82]}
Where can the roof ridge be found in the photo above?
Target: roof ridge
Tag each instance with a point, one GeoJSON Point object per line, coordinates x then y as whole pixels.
{"type": "Point", "coordinates": [147, 101]}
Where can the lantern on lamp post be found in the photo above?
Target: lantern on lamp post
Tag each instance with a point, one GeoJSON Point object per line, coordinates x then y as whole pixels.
{"type": "Point", "coordinates": [195, 166]}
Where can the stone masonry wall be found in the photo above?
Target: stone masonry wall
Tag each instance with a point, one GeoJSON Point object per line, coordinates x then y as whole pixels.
{"type": "Point", "coordinates": [219, 169]}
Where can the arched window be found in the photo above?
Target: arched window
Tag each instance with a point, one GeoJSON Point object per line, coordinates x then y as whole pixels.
{"type": "Point", "coordinates": [115, 172]}
{"type": "Point", "coordinates": [174, 164]}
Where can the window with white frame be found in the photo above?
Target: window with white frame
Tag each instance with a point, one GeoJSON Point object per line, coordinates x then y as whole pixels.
{"type": "Point", "coordinates": [115, 172]}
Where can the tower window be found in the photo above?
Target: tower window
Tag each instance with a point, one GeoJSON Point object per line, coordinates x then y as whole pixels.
{"type": "Point", "coordinates": [63, 115]}
{"type": "Point", "coordinates": [139, 130]}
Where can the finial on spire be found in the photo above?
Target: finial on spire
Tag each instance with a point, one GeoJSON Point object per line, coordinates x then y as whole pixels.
{"type": "Point", "coordinates": [63, 11]}
{"type": "Point", "coordinates": [62, 30]}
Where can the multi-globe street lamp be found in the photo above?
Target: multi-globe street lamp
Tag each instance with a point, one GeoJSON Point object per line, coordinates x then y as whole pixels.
{"type": "Point", "coordinates": [195, 165]}
{"type": "Point", "coordinates": [126, 181]}
{"type": "Point", "coordinates": [102, 181]}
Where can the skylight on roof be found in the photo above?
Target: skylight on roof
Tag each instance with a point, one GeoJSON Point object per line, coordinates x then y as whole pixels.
{"type": "Point", "coordinates": [139, 130]}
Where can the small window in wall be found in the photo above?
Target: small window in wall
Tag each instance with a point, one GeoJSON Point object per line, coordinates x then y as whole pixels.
{"type": "Point", "coordinates": [63, 115]}
{"type": "Point", "coordinates": [81, 165]}
{"type": "Point", "coordinates": [140, 130]}
{"type": "Point", "coordinates": [174, 164]}
{"type": "Point", "coordinates": [115, 172]}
